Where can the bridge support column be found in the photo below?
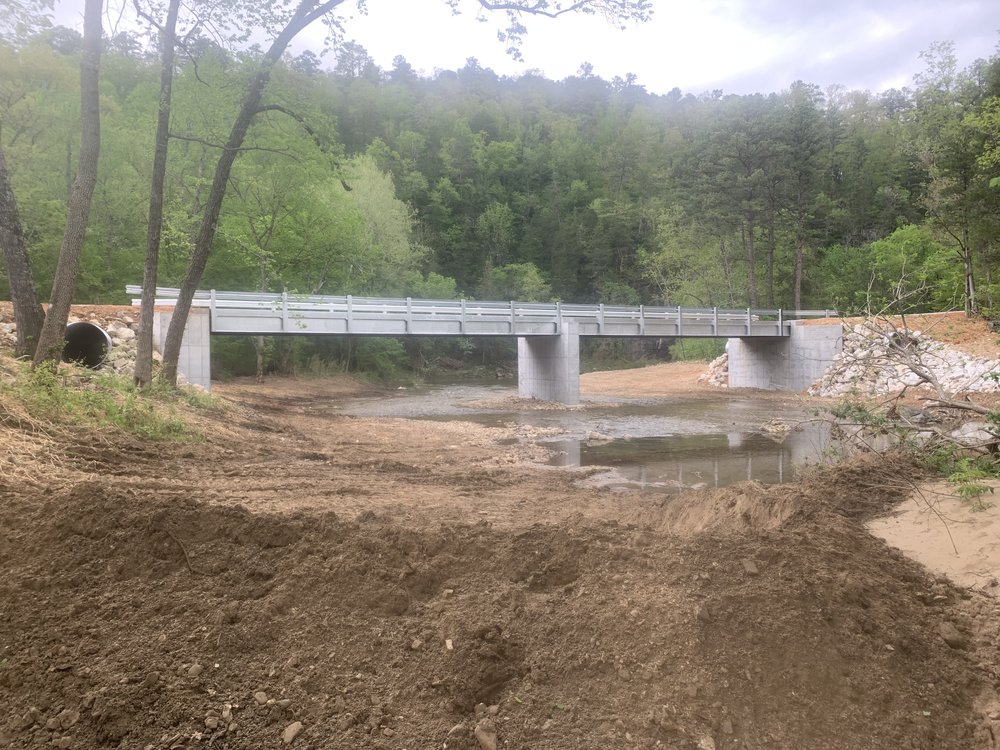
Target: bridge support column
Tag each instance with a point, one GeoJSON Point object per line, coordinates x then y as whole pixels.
{"type": "Point", "coordinates": [792, 363]}
{"type": "Point", "coordinates": [194, 362]}
{"type": "Point", "coordinates": [548, 367]}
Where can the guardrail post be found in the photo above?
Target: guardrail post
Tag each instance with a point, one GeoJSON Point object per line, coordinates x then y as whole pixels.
{"type": "Point", "coordinates": [642, 320]}
{"type": "Point", "coordinates": [512, 316]}
{"type": "Point", "coordinates": [749, 321]}
{"type": "Point", "coordinates": [600, 318]}
{"type": "Point", "coordinates": [715, 321]}
{"type": "Point", "coordinates": [461, 323]}
{"type": "Point", "coordinates": [781, 322]}
{"type": "Point", "coordinates": [559, 319]}
{"type": "Point", "coordinates": [408, 325]}
{"type": "Point", "coordinates": [680, 321]}
{"type": "Point", "coordinates": [211, 305]}
{"type": "Point", "coordinates": [350, 312]}
{"type": "Point", "coordinates": [284, 311]}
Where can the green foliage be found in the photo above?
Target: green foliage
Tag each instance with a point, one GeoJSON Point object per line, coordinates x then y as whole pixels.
{"type": "Point", "coordinates": [911, 265]}
{"type": "Point", "coordinates": [908, 267]}
{"type": "Point", "coordinates": [75, 396]}
{"type": "Point", "coordinates": [697, 350]}
{"type": "Point", "coordinates": [467, 183]}
{"type": "Point", "coordinates": [619, 354]}
{"type": "Point", "coordinates": [969, 474]}
{"type": "Point", "coordinates": [617, 293]}
{"type": "Point", "coordinates": [516, 281]}
{"type": "Point", "coordinates": [858, 412]}
{"type": "Point", "coordinates": [382, 358]}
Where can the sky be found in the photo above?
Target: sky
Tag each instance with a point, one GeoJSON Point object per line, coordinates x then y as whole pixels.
{"type": "Point", "coordinates": [738, 46]}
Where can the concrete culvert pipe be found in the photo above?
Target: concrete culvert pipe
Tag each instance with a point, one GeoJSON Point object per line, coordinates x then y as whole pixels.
{"type": "Point", "coordinates": [87, 345]}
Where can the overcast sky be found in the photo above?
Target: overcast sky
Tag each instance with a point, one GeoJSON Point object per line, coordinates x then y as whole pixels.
{"type": "Point", "coordinates": [739, 46]}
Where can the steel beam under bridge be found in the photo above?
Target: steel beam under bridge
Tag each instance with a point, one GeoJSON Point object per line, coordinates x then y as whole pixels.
{"type": "Point", "coordinates": [548, 334]}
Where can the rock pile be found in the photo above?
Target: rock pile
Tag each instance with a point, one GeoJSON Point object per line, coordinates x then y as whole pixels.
{"type": "Point", "coordinates": [717, 373]}
{"type": "Point", "coordinates": [879, 360]}
{"type": "Point", "coordinates": [121, 325]}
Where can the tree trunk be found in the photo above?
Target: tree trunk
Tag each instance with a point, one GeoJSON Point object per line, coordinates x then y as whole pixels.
{"type": "Point", "coordinates": [258, 345]}
{"type": "Point", "coordinates": [50, 341]}
{"type": "Point", "coordinates": [970, 280]}
{"type": "Point", "coordinates": [28, 313]}
{"type": "Point", "coordinates": [143, 373]}
{"type": "Point", "coordinates": [799, 261]}
{"type": "Point", "coordinates": [748, 231]}
{"type": "Point", "coordinates": [304, 15]}
{"type": "Point", "coordinates": [770, 263]}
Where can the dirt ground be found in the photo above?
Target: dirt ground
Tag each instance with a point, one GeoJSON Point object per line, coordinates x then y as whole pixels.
{"type": "Point", "coordinates": [971, 335]}
{"type": "Point", "coordinates": [307, 579]}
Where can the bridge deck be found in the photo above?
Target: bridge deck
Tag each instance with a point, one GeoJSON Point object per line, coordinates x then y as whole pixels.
{"type": "Point", "coordinates": [263, 314]}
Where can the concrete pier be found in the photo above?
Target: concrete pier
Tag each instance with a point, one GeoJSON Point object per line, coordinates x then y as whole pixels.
{"type": "Point", "coordinates": [548, 367]}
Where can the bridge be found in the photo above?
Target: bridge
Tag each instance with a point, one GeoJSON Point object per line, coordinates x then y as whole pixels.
{"type": "Point", "coordinates": [548, 334]}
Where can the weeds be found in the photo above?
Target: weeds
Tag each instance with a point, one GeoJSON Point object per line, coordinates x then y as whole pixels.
{"type": "Point", "coordinates": [968, 473]}
{"type": "Point", "coordinates": [875, 428]}
{"type": "Point", "coordinates": [70, 395]}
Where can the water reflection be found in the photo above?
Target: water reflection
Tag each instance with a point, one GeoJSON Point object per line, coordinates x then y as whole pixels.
{"type": "Point", "coordinates": [676, 462]}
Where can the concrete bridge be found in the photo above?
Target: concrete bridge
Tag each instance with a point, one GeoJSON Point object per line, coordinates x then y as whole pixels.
{"type": "Point", "coordinates": [768, 348]}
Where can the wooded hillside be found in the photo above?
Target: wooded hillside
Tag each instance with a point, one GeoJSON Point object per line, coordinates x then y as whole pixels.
{"type": "Point", "coordinates": [371, 181]}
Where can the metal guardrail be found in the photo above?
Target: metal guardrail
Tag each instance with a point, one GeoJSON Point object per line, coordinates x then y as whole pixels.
{"type": "Point", "coordinates": [263, 313]}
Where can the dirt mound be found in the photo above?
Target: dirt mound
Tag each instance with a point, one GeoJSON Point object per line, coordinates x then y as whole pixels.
{"type": "Point", "coordinates": [335, 582]}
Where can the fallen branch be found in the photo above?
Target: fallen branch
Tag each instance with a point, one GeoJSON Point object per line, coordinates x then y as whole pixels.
{"type": "Point", "coordinates": [187, 557]}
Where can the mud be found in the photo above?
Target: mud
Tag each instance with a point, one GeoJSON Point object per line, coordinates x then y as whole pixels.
{"type": "Point", "coordinates": [322, 581]}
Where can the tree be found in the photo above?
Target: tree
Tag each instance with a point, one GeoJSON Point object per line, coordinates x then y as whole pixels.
{"type": "Point", "coordinates": [28, 313]}
{"type": "Point", "coordinates": [50, 338]}
{"type": "Point", "coordinates": [802, 146]}
{"type": "Point", "coordinates": [289, 26]}
{"type": "Point", "coordinates": [143, 373]}
{"type": "Point", "coordinates": [948, 148]}
{"type": "Point", "coordinates": [615, 11]}
{"type": "Point", "coordinates": [20, 20]}
{"type": "Point", "coordinates": [305, 13]}
{"type": "Point", "coordinates": [515, 281]}
{"type": "Point", "coordinates": [740, 154]}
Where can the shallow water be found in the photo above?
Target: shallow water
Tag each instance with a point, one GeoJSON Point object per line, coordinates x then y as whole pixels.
{"type": "Point", "coordinates": [659, 444]}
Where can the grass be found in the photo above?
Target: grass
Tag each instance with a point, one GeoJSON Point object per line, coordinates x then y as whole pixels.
{"type": "Point", "coordinates": [74, 396]}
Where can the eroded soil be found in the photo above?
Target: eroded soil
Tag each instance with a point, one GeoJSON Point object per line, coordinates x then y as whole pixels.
{"type": "Point", "coordinates": [340, 582]}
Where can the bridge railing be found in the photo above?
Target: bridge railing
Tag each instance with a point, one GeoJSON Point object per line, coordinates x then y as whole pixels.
{"type": "Point", "coordinates": [518, 317]}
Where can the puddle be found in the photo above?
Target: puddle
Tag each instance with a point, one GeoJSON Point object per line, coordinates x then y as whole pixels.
{"type": "Point", "coordinates": [678, 462]}
{"type": "Point", "coordinates": [665, 445]}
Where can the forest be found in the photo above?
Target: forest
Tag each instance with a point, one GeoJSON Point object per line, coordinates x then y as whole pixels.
{"type": "Point", "coordinates": [369, 181]}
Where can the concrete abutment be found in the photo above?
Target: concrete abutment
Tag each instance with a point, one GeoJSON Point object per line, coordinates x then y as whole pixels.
{"type": "Point", "coordinates": [791, 363]}
{"type": "Point", "coordinates": [195, 360]}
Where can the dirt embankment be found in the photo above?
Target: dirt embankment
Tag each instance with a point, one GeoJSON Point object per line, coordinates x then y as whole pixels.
{"type": "Point", "coordinates": [330, 582]}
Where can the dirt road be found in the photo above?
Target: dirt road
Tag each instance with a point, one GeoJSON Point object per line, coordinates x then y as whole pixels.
{"type": "Point", "coordinates": [318, 581]}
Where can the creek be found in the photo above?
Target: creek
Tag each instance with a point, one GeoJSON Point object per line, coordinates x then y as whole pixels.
{"type": "Point", "coordinates": [660, 444]}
